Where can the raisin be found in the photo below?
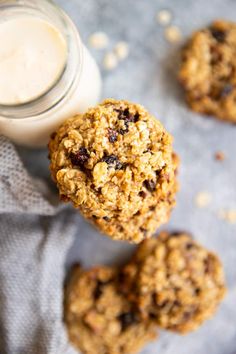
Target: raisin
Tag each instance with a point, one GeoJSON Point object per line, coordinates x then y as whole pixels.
{"type": "Point", "coordinates": [106, 218]}
{"type": "Point", "coordinates": [163, 305]}
{"type": "Point", "coordinates": [226, 91]}
{"type": "Point", "coordinates": [124, 131]}
{"type": "Point", "coordinates": [150, 185]}
{"type": "Point", "coordinates": [187, 315]}
{"type": "Point", "coordinates": [112, 135]}
{"type": "Point", "coordinates": [113, 161]}
{"type": "Point", "coordinates": [209, 265]}
{"type": "Point", "coordinates": [127, 319]}
{"type": "Point", "coordinates": [98, 290]}
{"type": "Point", "coordinates": [143, 230]}
{"type": "Point", "coordinates": [219, 35]}
{"type": "Point", "coordinates": [189, 245]}
{"type": "Point", "coordinates": [53, 135]}
{"type": "Point", "coordinates": [127, 117]}
{"type": "Point", "coordinates": [142, 194]}
{"type": "Point", "coordinates": [176, 234]}
{"type": "Point", "coordinates": [79, 158]}
{"type": "Point", "coordinates": [166, 177]}
{"type": "Point", "coordinates": [176, 303]}
{"type": "Point", "coordinates": [64, 198]}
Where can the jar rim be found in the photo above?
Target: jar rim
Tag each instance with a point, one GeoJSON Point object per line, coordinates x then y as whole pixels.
{"type": "Point", "coordinates": [58, 92]}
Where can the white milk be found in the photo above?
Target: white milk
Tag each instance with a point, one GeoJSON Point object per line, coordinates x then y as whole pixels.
{"type": "Point", "coordinates": [33, 54]}
{"type": "Point", "coordinates": [43, 78]}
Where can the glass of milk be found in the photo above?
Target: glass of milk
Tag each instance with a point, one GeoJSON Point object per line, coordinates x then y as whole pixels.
{"type": "Point", "coordinates": [46, 73]}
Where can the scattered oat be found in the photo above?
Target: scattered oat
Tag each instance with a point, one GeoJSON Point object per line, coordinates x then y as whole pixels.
{"type": "Point", "coordinates": [219, 156]}
{"type": "Point", "coordinates": [203, 199]}
{"type": "Point", "coordinates": [173, 34]}
{"type": "Point", "coordinates": [99, 40]}
{"type": "Point", "coordinates": [110, 61]}
{"type": "Point", "coordinates": [164, 17]}
{"type": "Point", "coordinates": [121, 50]}
{"type": "Point", "coordinates": [228, 215]}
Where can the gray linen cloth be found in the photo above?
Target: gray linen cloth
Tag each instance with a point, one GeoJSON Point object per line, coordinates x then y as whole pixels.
{"type": "Point", "coordinates": [34, 239]}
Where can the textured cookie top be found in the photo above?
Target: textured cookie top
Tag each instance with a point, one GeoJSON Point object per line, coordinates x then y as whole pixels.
{"type": "Point", "coordinates": [177, 282]}
{"type": "Point", "coordinates": [114, 162]}
{"type": "Point", "coordinates": [208, 71]}
{"type": "Point", "coordinates": [99, 319]}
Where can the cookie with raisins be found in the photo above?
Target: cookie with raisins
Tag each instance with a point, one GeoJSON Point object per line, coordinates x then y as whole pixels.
{"type": "Point", "coordinates": [116, 164]}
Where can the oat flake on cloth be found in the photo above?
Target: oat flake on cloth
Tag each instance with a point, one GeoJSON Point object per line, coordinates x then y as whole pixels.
{"type": "Point", "coordinates": [34, 239]}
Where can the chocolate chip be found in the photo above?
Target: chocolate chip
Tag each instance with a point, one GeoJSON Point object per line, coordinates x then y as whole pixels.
{"type": "Point", "coordinates": [79, 158]}
{"type": "Point", "coordinates": [226, 91]}
{"type": "Point", "coordinates": [197, 291]}
{"type": "Point", "coordinates": [219, 35]}
{"type": "Point", "coordinates": [106, 218]}
{"type": "Point", "coordinates": [150, 185]}
{"type": "Point", "coordinates": [113, 161]}
{"type": "Point", "coordinates": [112, 135]}
{"type": "Point", "coordinates": [127, 319]}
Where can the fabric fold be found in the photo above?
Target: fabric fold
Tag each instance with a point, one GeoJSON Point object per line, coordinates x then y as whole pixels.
{"type": "Point", "coordinates": [35, 236]}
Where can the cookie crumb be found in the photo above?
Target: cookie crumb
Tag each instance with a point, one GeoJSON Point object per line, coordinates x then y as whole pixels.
{"type": "Point", "coordinates": [164, 17]}
{"type": "Point", "coordinates": [202, 199]}
{"type": "Point", "coordinates": [110, 61]}
{"type": "Point", "coordinates": [173, 34]}
{"type": "Point", "coordinates": [219, 156]}
{"type": "Point", "coordinates": [99, 40]}
{"type": "Point", "coordinates": [228, 215]}
{"type": "Point", "coordinates": [122, 50]}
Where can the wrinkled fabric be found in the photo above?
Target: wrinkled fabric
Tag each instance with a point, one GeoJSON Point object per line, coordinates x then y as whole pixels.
{"type": "Point", "coordinates": [35, 236]}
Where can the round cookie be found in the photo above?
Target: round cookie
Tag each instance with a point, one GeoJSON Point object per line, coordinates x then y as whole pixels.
{"type": "Point", "coordinates": [98, 318]}
{"type": "Point", "coordinates": [116, 164]}
{"type": "Point", "coordinates": [174, 281]}
{"type": "Point", "coordinates": [208, 71]}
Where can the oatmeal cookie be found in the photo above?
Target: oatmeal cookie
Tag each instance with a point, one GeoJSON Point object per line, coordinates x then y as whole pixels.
{"type": "Point", "coordinates": [98, 318]}
{"type": "Point", "coordinates": [174, 281]}
{"type": "Point", "coordinates": [116, 164]}
{"type": "Point", "coordinates": [208, 72]}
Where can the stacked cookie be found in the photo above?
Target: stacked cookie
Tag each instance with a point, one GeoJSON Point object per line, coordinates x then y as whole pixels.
{"type": "Point", "coordinates": [171, 282]}
{"type": "Point", "coordinates": [116, 164]}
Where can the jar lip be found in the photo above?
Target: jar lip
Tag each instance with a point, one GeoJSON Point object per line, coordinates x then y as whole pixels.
{"type": "Point", "coordinates": [65, 84]}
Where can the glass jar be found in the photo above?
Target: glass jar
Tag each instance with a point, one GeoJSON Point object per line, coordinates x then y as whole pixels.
{"type": "Point", "coordinates": [78, 87]}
